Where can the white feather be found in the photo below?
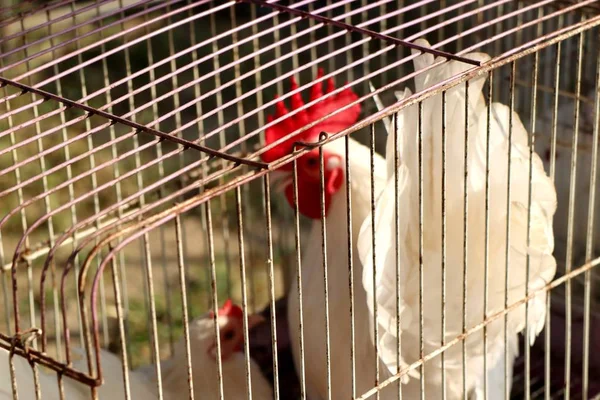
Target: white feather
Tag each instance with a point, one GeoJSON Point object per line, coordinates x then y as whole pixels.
{"type": "Point", "coordinates": [204, 369]}
{"type": "Point", "coordinates": [339, 295]}
{"type": "Point", "coordinates": [541, 262]}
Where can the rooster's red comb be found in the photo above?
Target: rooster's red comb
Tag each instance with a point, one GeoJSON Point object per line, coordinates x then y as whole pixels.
{"type": "Point", "coordinates": [229, 310]}
{"type": "Point", "coordinates": [333, 124]}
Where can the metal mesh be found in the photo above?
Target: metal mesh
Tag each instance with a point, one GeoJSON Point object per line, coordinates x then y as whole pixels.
{"type": "Point", "coordinates": [133, 195]}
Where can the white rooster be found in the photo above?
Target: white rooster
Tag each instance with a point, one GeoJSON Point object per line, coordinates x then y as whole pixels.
{"type": "Point", "coordinates": [539, 249]}
{"type": "Point", "coordinates": [174, 370]}
{"type": "Point", "coordinates": [309, 204]}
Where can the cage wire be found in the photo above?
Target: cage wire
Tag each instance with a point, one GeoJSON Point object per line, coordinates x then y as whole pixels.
{"type": "Point", "coordinates": [134, 198]}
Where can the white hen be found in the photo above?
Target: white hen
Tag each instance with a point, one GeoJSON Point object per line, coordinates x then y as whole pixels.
{"type": "Point", "coordinates": [204, 367]}
{"type": "Point", "coordinates": [541, 262]}
{"type": "Point", "coordinates": [174, 370]}
{"type": "Point", "coordinates": [141, 387]}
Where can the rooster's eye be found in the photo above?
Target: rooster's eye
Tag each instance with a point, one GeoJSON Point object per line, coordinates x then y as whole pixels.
{"type": "Point", "coordinates": [228, 335]}
{"type": "Point", "coordinates": [312, 162]}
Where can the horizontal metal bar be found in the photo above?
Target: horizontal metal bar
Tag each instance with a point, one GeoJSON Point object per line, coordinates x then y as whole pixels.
{"type": "Point", "coordinates": [364, 31]}
{"type": "Point", "coordinates": [41, 358]}
{"type": "Point", "coordinates": [131, 124]}
{"type": "Point", "coordinates": [24, 32]}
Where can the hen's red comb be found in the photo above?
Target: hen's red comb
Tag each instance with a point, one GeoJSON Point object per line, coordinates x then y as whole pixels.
{"type": "Point", "coordinates": [333, 124]}
{"type": "Point", "coordinates": [229, 310]}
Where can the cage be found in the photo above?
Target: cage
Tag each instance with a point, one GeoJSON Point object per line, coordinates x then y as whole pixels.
{"type": "Point", "coordinates": [139, 191]}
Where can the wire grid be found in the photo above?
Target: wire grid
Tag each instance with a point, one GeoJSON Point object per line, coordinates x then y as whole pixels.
{"type": "Point", "coordinates": [164, 122]}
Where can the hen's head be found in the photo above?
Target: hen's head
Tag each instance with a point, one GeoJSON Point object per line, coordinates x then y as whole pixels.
{"type": "Point", "coordinates": [231, 330]}
{"type": "Point", "coordinates": [309, 198]}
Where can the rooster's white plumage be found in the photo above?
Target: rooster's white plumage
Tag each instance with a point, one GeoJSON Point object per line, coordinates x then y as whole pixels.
{"type": "Point", "coordinates": [542, 264]}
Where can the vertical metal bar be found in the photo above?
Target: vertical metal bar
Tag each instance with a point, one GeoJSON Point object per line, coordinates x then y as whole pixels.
{"type": "Point", "coordinates": [487, 230]}
{"type": "Point", "coordinates": [276, 38]}
{"type": "Point", "coordinates": [294, 45]}
{"type": "Point", "coordinates": [184, 306]}
{"type": "Point", "coordinates": [365, 48]}
{"type": "Point", "coordinates": [383, 58]}
{"type": "Point", "coordinates": [57, 331]}
{"type": "Point", "coordinates": [271, 274]}
{"type": "Point", "coordinates": [497, 46]}
{"type": "Point", "coordinates": [286, 213]}
{"type": "Point", "coordinates": [47, 208]}
{"type": "Point", "coordinates": [517, 40]}
{"type": "Point", "coordinates": [36, 381]}
{"type": "Point", "coordinates": [17, 173]}
{"type": "Point", "coordinates": [116, 171]}
{"type": "Point", "coordinates": [165, 277]}
{"type": "Point", "coordinates": [397, 247]}
{"type": "Point", "coordinates": [508, 216]}
{"type": "Point", "coordinates": [213, 286]}
{"type": "Point", "coordinates": [461, 28]}
{"type": "Point", "coordinates": [158, 146]}
{"type": "Point", "coordinates": [87, 342]}
{"type": "Point", "coordinates": [4, 275]}
{"type": "Point", "coordinates": [590, 238]}
{"type": "Point", "coordinates": [548, 330]}
{"type": "Point", "coordinates": [400, 22]}
{"type": "Point", "coordinates": [555, 112]}
{"type": "Point", "coordinates": [299, 281]}
{"type": "Point", "coordinates": [123, 338]}
{"type": "Point", "coordinates": [444, 186]}
{"type": "Point", "coordinates": [421, 317]}
{"type": "Point", "coordinates": [5, 297]}
{"type": "Point", "coordinates": [153, 321]}
{"type": "Point", "coordinates": [325, 277]}
{"type": "Point", "coordinates": [350, 263]}
{"type": "Point", "coordinates": [181, 159]}
{"type": "Point", "coordinates": [200, 127]}
{"type": "Point", "coordinates": [61, 389]}
{"type": "Point", "coordinates": [373, 244]}
{"type": "Point", "coordinates": [331, 45]}
{"type": "Point", "coordinates": [222, 143]}
{"type": "Point", "coordinates": [465, 239]}
{"type": "Point", "coordinates": [241, 128]}
{"type": "Point", "coordinates": [571, 215]}
{"type": "Point", "coordinates": [13, 375]}
{"type": "Point", "coordinates": [547, 360]}
{"type": "Point", "coordinates": [92, 160]}
{"type": "Point", "coordinates": [534, 79]}
{"type": "Point", "coordinates": [240, 221]}
{"type": "Point", "coordinates": [103, 313]}
{"type": "Point", "coordinates": [568, 20]}
{"type": "Point", "coordinates": [118, 190]}
{"type": "Point", "coordinates": [349, 58]}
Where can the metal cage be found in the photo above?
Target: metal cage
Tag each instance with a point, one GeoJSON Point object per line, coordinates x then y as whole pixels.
{"type": "Point", "coordinates": [134, 197]}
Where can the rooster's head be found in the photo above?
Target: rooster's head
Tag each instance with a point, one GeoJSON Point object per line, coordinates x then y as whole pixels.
{"type": "Point", "coordinates": [231, 329]}
{"type": "Point", "coordinates": [309, 178]}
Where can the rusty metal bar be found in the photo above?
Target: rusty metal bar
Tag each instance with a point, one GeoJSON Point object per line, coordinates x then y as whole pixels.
{"type": "Point", "coordinates": [114, 119]}
{"type": "Point", "coordinates": [366, 32]}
